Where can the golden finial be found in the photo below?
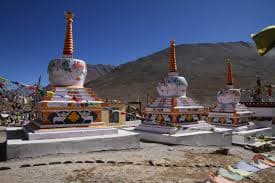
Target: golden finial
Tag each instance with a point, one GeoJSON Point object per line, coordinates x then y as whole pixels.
{"type": "Point", "coordinates": [68, 43]}
{"type": "Point", "coordinates": [173, 62]}
{"type": "Point", "coordinates": [229, 73]}
{"type": "Point", "coordinates": [69, 15]}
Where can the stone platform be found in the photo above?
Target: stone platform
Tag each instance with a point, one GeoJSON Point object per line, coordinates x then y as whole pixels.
{"type": "Point", "coordinates": [155, 128]}
{"type": "Point", "coordinates": [247, 136]}
{"type": "Point", "coordinates": [43, 134]}
{"type": "Point", "coordinates": [193, 135]}
{"type": "Point", "coordinates": [244, 135]}
{"type": "Point", "coordinates": [266, 124]}
{"type": "Point", "coordinates": [81, 141]}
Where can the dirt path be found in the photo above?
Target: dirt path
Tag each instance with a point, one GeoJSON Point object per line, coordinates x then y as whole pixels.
{"type": "Point", "coordinates": [151, 163]}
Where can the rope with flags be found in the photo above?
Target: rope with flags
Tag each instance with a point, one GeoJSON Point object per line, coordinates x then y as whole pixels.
{"type": "Point", "coordinates": [4, 82]}
{"type": "Point", "coordinates": [37, 89]}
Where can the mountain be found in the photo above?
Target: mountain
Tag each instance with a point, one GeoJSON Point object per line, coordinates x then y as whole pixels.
{"type": "Point", "coordinates": [203, 65]}
{"type": "Point", "coordinates": [98, 70]}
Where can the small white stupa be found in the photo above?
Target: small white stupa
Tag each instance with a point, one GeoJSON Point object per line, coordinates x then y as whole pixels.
{"type": "Point", "coordinates": [172, 106]}
{"type": "Point", "coordinates": [229, 111]}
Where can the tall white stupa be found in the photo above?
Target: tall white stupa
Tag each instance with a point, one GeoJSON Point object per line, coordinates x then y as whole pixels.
{"type": "Point", "coordinates": [72, 119]}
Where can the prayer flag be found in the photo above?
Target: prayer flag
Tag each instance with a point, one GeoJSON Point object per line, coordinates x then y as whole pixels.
{"type": "Point", "coordinates": [265, 39]}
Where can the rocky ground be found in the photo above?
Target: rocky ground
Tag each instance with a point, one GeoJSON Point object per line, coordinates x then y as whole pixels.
{"type": "Point", "coordinates": [151, 163]}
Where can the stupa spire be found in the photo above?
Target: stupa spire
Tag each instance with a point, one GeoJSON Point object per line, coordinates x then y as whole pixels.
{"type": "Point", "coordinates": [172, 61]}
{"type": "Point", "coordinates": [229, 75]}
{"type": "Point", "coordinates": [68, 43]}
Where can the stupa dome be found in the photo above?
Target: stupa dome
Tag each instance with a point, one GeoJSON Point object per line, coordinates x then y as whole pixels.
{"type": "Point", "coordinates": [229, 96]}
{"type": "Point", "coordinates": [67, 72]}
{"type": "Point", "coordinates": [172, 85]}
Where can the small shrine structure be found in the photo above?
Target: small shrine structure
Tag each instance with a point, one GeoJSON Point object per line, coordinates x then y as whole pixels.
{"type": "Point", "coordinates": [228, 110]}
{"type": "Point", "coordinates": [172, 106]}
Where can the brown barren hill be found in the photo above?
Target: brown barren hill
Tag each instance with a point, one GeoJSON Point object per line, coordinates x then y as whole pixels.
{"type": "Point", "coordinates": [203, 65]}
{"type": "Point", "coordinates": [94, 71]}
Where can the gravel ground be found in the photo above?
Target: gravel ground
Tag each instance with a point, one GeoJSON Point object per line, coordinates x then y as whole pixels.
{"type": "Point", "coordinates": [151, 163]}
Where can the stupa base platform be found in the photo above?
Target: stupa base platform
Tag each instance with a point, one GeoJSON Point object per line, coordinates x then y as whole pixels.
{"type": "Point", "coordinates": [90, 140]}
{"type": "Point", "coordinates": [247, 136]}
{"type": "Point", "coordinates": [37, 125]}
{"type": "Point", "coordinates": [244, 135]}
{"type": "Point", "coordinates": [266, 124]}
{"type": "Point", "coordinates": [149, 126]}
{"type": "Point", "coordinates": [263, 124]}
{"type": "Point", "coordinates": [152, 128]}
{"type": "Point", "coordinates": [229, 125]}
{"type": "Point", "coordinates": [57, 133]}
{"type": "Point", "coordinates": [190, 135]}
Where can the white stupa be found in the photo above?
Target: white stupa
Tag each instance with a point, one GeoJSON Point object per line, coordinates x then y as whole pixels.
{"type": "Point", "coordinates": [172, 106]}
{"type": "Point", "coordinates": [229, 111]}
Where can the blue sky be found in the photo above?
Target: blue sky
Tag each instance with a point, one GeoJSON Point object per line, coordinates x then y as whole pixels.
{"type": "Point", "coordinates": [117, 31]}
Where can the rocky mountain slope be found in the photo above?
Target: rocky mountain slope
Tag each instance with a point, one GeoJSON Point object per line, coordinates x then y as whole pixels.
{"type": "Point", "coordinates": [203, 66]}
{"type": "Point", "coordinates": [97, 70]}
